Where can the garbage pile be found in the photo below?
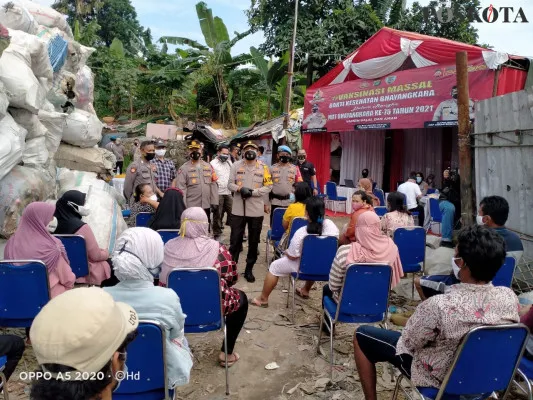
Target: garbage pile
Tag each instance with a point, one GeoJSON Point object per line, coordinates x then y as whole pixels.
{"type": "Point", "coordinates": [47, 118]}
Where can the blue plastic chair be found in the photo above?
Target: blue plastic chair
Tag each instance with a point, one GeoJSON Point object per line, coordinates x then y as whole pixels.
{"type": "Point", "coordinates": [317, 257]}
{"type": "Point", "coordinates": [504, 276]}
{"type": "Point", "coordinates": [380, 211]}
{"type": "Point", "coordinates": [364, 298]}
{"type": "Point", "coordinates": [380, 195]}
{"type": "Point", "coordinates": [201, 300]}
{"type": "Point", "coordinates": [168, 234]}
{"type": "Point", "coordinates": [296, 224]}
{"type": "Point", "coordinates": [331, 193]}
{"type": "Point", "coordinates": [434, 213]}
{"type": "Point", "coordinates": [525, 372]}
{"type": "Point", "coordinates": [320, 192]}
{"type": "Point", "coordinates": [411, 242]}
{"type": "Point", "coordinates": [147, 372]}
{"type": "Point", "coordinates": [485, 362]}
{"type": "Point", "coordinates": [275, 233]}
{"type": "Point", "coordinates": [29, 277]}
{"type": "Point", "coordinates": [76, 249]}
{"type": "Point", "coordinates": [3, 380]}
{"type": "Point", "coordinates": [142, 219]}
{"type": "Point", "coordinates": [432, 191]}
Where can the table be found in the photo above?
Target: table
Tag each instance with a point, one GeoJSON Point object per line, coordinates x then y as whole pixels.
{"type": "Point", "coordinates": [343, 192]}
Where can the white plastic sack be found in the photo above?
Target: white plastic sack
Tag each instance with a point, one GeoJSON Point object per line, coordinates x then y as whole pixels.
{"type": "Point", "coordinates": [12, 138]}
{"type": "Point", "coordinates": [95, 159]}
{"type": "Point", "coordinates": [54, 123]}
{"type": "Point", "coordinates": [36, 152]}
{"type": "Point", "coordinates": [24, 89]}
{"type": "Point", "coordinates": [438, 262]}
{"type": "Point", "coordinates": [82, 129]}
{"type": "Point", "coordinates": [4, 100]}
{"type": "Point", "coordinates": [38, 50]}
{"type": "Point", "coordinates": [47, 16]}
{"type": "Point", "coordinates": [17, 17]}
{"type": "Point", "coordinates": [85, 90]}
{"type": "Point", "coordinates": [78, 55]}
{"type": "Point", "coordinates": [28, 121]}
{"type": "Point", "coordinates": [63, 83]}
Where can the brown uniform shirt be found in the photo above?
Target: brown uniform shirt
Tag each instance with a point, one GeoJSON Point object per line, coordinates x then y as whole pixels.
{"type": "Point", "coordinates": [199, 184]}
{"type": "Point", "coordinates": [256, 177]}
{"type": "Point", "coordinates": [138, 172]}
{"type": "Point", "coordinates": [283, 178]}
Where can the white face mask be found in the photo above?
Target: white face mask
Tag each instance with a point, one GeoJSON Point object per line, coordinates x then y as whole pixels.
{"type": "Point", "coordinates": [82, 210]}
{"type": "Point", "coordinates": [292, 199]}
{"type": "Point", "coordinates": [418, 180]}
{"type": "Point", "coordinates": [52, 226]}
{"type": "Point", "coordinates": [160, 152]}
{"type": "Point", "coordinates": [153, 197]}
{"type": "Point", "coordinates": [479, 220]}
{"type": "Point", "coordinates": [455, 267]}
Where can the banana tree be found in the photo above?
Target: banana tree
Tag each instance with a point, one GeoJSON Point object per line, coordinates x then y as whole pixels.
{"type": "Point", "coordinates": [215, 57]}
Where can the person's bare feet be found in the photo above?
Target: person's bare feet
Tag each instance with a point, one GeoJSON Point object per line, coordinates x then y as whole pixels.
{"type": "Point", "coordinates": [256, 301]}
{"type": "Point", "coordinates": [302, 292]}
{"type": "Point", "coordinates": [232, 359]}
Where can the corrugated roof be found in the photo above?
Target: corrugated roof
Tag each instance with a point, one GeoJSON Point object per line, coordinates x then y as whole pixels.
{"type": "Point", "coordinates": [260, 129]}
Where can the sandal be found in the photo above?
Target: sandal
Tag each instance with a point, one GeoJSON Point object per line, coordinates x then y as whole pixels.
{"type": "Point", "coordinates": [236, 358]}
{"type": "Point", "coordinates": [299, 294]}
{"type": "Point", "coordinates": [257, 303]}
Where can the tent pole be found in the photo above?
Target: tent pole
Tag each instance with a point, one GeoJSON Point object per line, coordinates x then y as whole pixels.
{"type": "Point", "coordinates": [290, 73]}
{"type": "Point", "coordinates": [496, 81]}
{"type": "Point", "coordinates": [464, 138]}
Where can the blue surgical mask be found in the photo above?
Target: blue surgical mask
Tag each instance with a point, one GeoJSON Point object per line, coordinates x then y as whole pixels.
{"type": "Point", "coordinates": [123, 374]}
{"type": "Point", "coordinates": [418, 179]}
{"type": "Point", "coordinates": [292, 198]}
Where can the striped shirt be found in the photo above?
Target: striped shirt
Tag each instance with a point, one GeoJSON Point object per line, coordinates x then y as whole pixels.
{"type": "Point", "coordinates": [338, 270]}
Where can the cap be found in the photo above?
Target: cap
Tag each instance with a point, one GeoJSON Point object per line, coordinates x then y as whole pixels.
{"type": "Point", "coordinates": [113, 138]}
{"type": "Point", "coordinates": [194, 145]}
{"type": "Point", "coordinates": [284, 148]}
{"type": "Point", "coordinates": [249, 143]}
{"type": "Point", "coordinates": [81, 328]}
{"type": "Point", "coordinates": [160, 143]}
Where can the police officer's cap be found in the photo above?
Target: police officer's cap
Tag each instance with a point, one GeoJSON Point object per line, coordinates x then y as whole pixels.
{"type": "Point", "coordinates": [160, 143]}
{"type": "Point", "coordinates": [250, 144]}
{"type": "Point", "coordinates": [194, 145]}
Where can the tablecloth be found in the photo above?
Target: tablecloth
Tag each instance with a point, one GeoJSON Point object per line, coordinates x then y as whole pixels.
{"type": "Point", "coordinates": [342, 191]}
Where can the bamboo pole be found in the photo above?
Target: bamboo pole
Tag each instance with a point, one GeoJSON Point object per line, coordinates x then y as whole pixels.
{"type": "Point", "coordinates": [465, 149]}
{"type": "Point", "coordinates": [290, 72]}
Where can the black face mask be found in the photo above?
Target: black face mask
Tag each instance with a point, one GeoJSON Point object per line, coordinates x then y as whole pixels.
{"type": "Point", "coordinates": [149, 156]}
{"type": "Point", "coordinates": [250, 155]}
{"type": "Point", "coordinates": [195, 155]}
{"type": "Point", "coordinates": [284, 159]}
{"type": "Point", "coordinates": [301, 159]}
{"type": "Point", "coordinates": [223, 157]}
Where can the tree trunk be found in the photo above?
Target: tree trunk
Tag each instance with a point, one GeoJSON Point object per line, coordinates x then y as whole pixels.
{"type": "Point", "coordinates": [269, 111]}
{"type": "Point", "coordinates": [309, 70]}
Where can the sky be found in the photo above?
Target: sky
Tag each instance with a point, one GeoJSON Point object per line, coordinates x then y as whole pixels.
{"type": "Point", "coordinates": [178, 18]}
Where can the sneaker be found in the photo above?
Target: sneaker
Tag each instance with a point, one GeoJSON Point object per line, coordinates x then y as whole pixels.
{"type": "Point", "coordinates": [245, 237]}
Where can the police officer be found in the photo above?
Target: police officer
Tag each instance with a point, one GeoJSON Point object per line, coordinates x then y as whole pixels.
{"type": "Point", "coordinates": [284, 175]}
{"type": "Point", "coordinates": [197, 180]}
{"type": "Point", "coordinates": [141, 171]}
{"type": "Point", "coordinates": [250, 180]}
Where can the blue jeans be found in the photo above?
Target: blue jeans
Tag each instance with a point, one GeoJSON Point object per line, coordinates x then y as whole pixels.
{"type": "Point", "coordinates": [447, 210]}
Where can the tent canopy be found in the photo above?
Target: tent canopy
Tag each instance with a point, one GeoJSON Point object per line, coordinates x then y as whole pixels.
{"type": "Point", "coordinates": [390, 50]}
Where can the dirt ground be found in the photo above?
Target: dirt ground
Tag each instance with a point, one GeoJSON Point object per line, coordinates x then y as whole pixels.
{"type": "Point", "coordinates": [268, 336]}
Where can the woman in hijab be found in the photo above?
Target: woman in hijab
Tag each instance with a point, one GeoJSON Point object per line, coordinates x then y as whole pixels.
{"type": "Point", "coordinates": [194, 249]}
{"type": "Point", "coordinates": [168, 214]}
{"type": "Point", "coordinates": [136, 261]}
{"type": "Point", "coordinates": [365, 184]}
{"type": "Point", "coordinates": [70, 209]}
{"type": "Point", "coordinates": [33, 241]}
{"type": "Point", "coordinates": [361, 202]}
{"type": "Point", "coordinates": [371, 246]}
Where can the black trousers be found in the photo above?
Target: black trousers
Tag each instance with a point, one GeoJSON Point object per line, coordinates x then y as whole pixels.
{"type": "Point", "coordinates": [208, 213]}
{"type": "Point", "coordinates": [235, 322]}
{"type": "Point", "coordinates": [225, 202]}
{"type": "Point", "coordinates": [420, 211]}
{"type": "Point", "coordinates": [238, 226]}
{"type": "Point", "coordinates": [12, 347]}
{"type": "Point", "coordinates": [120, 164]}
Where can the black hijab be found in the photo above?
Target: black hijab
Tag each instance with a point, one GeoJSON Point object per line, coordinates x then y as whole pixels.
{"type": "Point", "coordinates": [168, 214]}
{"type": "Point", "coordinates": [68, 219]}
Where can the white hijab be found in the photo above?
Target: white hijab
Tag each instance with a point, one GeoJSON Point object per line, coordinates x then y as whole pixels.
{"type": "Point", "coordinates": [138, 255]}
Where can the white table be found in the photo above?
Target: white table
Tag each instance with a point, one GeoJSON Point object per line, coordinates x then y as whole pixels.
{"type": "Point", "coordinates": [343, 192]}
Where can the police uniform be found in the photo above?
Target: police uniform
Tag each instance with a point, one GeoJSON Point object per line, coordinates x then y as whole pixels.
{"type": "Point", "coordinates": [284, 176]}
{"type": "Point", "coordinates": [250, 211]}
{"type": "Point", "coordinates": [197, 180]}
{"type": "Point", "coordinates": [139, 172]}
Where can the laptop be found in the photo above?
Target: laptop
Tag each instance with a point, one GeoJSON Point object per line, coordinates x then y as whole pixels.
{"type": "Point", "coordinates": [349, 183]}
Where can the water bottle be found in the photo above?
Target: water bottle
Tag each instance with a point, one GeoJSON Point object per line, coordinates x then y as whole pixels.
{"type": "Point", "coordinates": [415, 217]}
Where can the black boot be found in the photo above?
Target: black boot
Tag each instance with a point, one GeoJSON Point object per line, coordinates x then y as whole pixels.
{"type": "Point", "coordinates": [248, 274]}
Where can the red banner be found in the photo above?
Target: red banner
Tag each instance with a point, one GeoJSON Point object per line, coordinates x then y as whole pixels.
{"type": "Point", "coordinates": [415, 98]}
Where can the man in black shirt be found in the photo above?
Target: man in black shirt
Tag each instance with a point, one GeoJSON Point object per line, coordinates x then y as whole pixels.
{"type": "Point", "coordinates": [307, 169]}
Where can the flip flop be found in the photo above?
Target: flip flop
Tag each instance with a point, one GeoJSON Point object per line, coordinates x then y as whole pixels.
{"type": "Point", "coordinates": [299, 294]}
{"type": "Point", "coordinates": [222, 363]}
{"type": "Point", "coordinates": [257, 303]}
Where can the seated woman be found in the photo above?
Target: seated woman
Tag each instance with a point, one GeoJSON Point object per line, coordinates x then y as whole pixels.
{"type": "Point", "coordinates": [302, 192]}
{"type": "Point", "coordinates": [70, 208]}
{"type": "Point", "coordinates": [397, 217]}
{"type": "Point", "coordinates": [431, 181]}
{"type": "Point", "coordinates": [315, 212]}
{"type": "Point", "coordinates": [136, 260]}
{"type": "Point", "coordinates": [424, 350]}
{"type": "Point", "coordinates": [195, 249]}
{"type": "Point", "coordinates": [145, 201]}
{"type": "Point", "coordinates": [33, 241]}
{"type": "Point", "coordinates": [371, 247]}
{"type": "Point", "coordinates": [421, 183]}
{"type": "Point", "coordinates": [168, 214]}
{"type": "Point", "coordinates": [366, 186]}
{"type": "Point", "coordinates": [361, 203]}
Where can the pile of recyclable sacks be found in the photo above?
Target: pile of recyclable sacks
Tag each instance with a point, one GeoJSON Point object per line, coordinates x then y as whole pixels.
{"type": "Point", "coordinates": [47, 118]}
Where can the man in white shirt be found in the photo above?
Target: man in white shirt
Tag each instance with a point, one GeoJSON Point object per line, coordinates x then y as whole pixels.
{"type": "Point", "coordinates": [412, 193]}
{"type": "Point", "coordinates": [222, 166]}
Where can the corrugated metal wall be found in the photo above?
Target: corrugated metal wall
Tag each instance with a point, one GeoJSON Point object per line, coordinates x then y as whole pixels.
{"type": "Point", "coordinates": [503, 141]}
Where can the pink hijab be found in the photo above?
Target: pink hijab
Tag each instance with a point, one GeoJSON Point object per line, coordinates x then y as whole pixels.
{"type": "Point", "coordinates": [374, 247]}
{"type": "Point", "coordinates": [193, 248]}
{"type": "Point", "coordinates": [32, 241]}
